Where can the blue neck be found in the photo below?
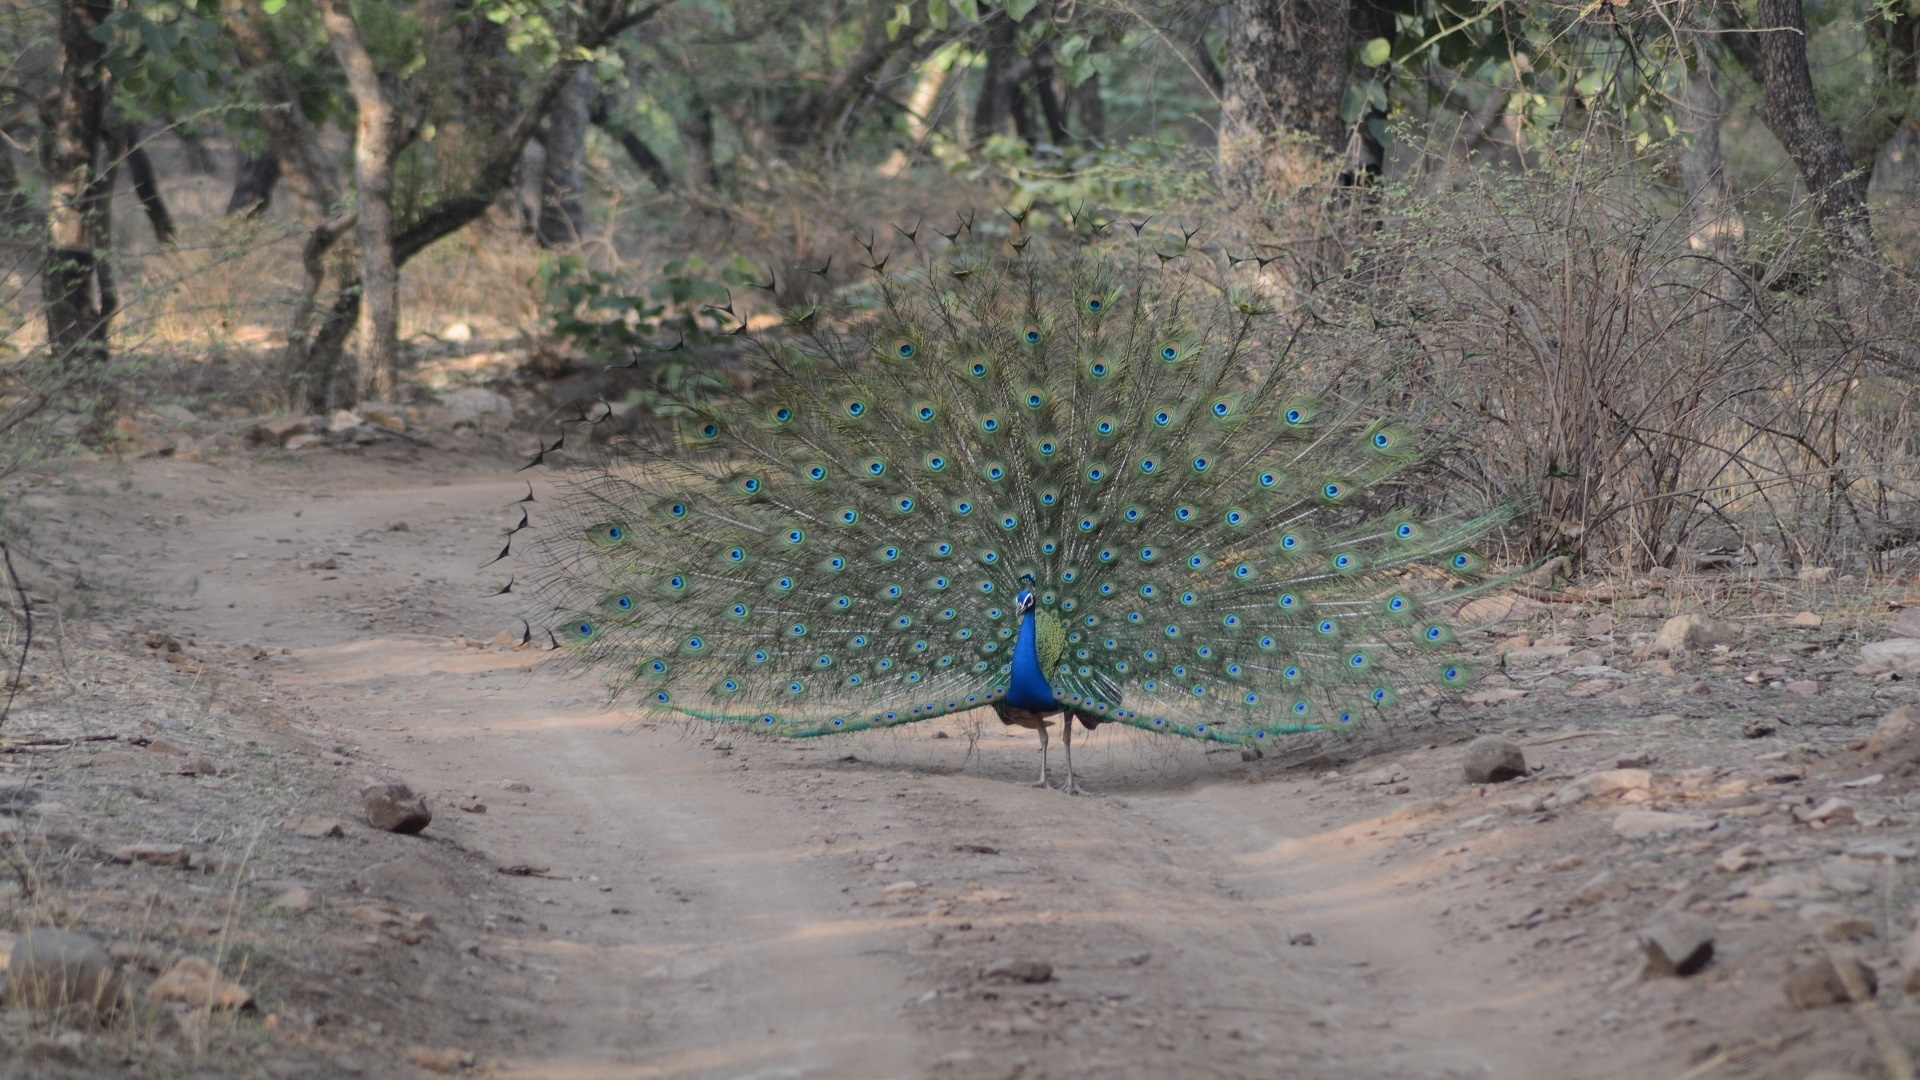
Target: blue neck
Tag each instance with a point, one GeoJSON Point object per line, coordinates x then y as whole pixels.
{"type": "Point", "coordinates": [1029, 688]}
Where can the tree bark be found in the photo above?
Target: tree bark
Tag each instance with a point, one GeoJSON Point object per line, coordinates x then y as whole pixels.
{"type": "Point", "coordinates": [696, 144]}
{"type": "Point", "coordinates": [1716, 226]}
{"type": "Point", "coordinates": [1285, 74]}
{"type": "Point", "coordinates": [130, 146]}
{"type": "Point", "coordinates": [77, 318]}
{"type": "Point", "coordinates": [1775, 55]}
{"type": "Point", "coordinates": [1092, 110]}
{"type": "Point", "coordinates": [253, 183]}
{"type": "Point", "coordinates": [1050, 106]}
{"type": "Point", "coordinates": [644, 158]}
{"type": "Point", "coordinates": [376, 139]}
{"type": "Point", "coordinates": [295, 143]}
{"type": "Point", "coordinates": [561, 217]}
{"type": "Point", "coordinates": [993, 104]}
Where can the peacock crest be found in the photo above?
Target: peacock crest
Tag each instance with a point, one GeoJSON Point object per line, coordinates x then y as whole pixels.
{"type": "Point", "coordinates": [1094, 465]}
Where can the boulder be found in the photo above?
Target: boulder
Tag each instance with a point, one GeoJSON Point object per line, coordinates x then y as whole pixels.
{"type": "Point", "coordinates": [52, 969]}
{"type": "Point", "coordinates": [1833, 979]}
{"type": "Point", "coordinates": [475, 407]}
{"type": "Point", "coordinates": [1693, 632]}
{"type": "Point", "coordinates": [395, 808]}
{"type": "Point", "coordinates": [1491, 759]}
{"type": "Point", "coordinates": [1680, 945]}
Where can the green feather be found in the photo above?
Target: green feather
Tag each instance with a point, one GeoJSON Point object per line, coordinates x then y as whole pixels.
{"type": "Point", "coordinates": [1222, 547]}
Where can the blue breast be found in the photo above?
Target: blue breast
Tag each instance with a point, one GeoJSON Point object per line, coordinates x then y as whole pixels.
{"type": "Point", "coordinates": [1029, 688]}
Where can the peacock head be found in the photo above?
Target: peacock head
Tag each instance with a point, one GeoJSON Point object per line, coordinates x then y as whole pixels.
{"type": "Point", "coordinates": [1023, 603]}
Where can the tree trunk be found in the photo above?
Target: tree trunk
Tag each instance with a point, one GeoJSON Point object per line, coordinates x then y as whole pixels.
{"type": "Point", "coordinates": [1050, 106]}
{"type": "Point", "coordinates": [1092, 110]}
{"type": "Point", "coordinates": [77, 318]}
{"type": "Point", "coordinates": [18, 219]}
{"type": "Point", "coordinates": [1775, 55]}
{"type": "Point", "coordinates": [561, 217]}
{"type": "Point", "coordinates": [295, 144]}
{"type": "Point", "coordinates": [1286, 72]}
{"type": "Point", "coordinates": [130, 146]}
{"type": "Point", "coordinates": [374, 145]}
{"type": "Point", "coordinates": [1716, 226]}
{"type": "Point", "coordinates": [644, 158]}
{"type": "Point", "coordinates": [696, 143]}
{"type": "Point", "coordinates": [253, 183]}
{"type": "Point", "coordinates": [992, 105]}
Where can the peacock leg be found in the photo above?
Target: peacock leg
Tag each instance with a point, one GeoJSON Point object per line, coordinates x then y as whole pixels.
{"type": "Point", "coordinates": [1066, 738]}
{"type": "Point", "coordinates": [1043, 757]}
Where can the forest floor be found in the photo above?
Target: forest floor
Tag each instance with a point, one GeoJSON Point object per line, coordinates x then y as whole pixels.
{"type": "Point", "coordinates": [270, 631]}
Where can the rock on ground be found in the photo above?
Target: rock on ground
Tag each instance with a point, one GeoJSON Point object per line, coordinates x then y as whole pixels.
{"type": "Point", "coordinates": [395, 808]}
{"type": "Point", "coordinates": [51, 969]}
{"type": "Point", "coordinates": [196, 983]}
{"type": "Point", "coordinates": [1023, 971]}
{"type": "Point", "coordinates": [1491, 759]}
{"type": "Point", "coordinates": [1693, 632]}
{"type": "Point", "coordinates": [1680, 945]}
{"type": "Point", "coordinates": [1824, 981]}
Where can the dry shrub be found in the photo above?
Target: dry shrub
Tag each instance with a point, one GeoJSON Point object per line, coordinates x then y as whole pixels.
{"type": "Point", "coordinates": [1643, 397]}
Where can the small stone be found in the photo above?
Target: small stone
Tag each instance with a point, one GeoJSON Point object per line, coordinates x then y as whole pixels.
{"type": "Point", "coordinates": [51, 969]}
{"type": "Point", "coordinates": [1605, 782]}
{"type": "Point", "coordinates": [277, 432]}
{"type": "Point", "coordinates": [1803, 687]}
{"type": "Point", "coordinates": [457, 332]}
{"type": "Point", "coordinates": [1806, 620]}
{"type": "Point", "coordinates": [162, 746]}
{"type": "Point", "coordinates": [1850, 928]}
{"type": "Point", "coordinates": [1301, 938]}
{"type": "Point", "coordinates": [316, 828]}
{"type": "Point", "coordinates": [197, 984]}
{"type": "Point", "coordinates": [477, 407]}
{"type": "Point", "coordinates": [1910, 965]}
{"type": "Point", "coordinates": [1757, 728]}
{"type": "Point", "coordinates": [395, 808]}
{"type": "Point", "coordinates": [1680, 945]}
{"type": "Point", "coordinates": [1601, 887]}
{"type": "Point", "coordinates": [1700, 688]}
{"type": "Point", "coordinates": [298, 900]}
{"type": "Point", "coordinates": [900, 890]}
{"type": "Point", "coordinates": [1894, 729]}
{"type": "Point", "coordinates": [1567, 862]}
{"type": "Point", "coordinates": [1600, 626]}
{"type": "Point", "coordinates": [1893, 652]}
{"type": "Point", "coordinates": [1740, 858]}
{"type": "Point", "coordinates": [1639, 760]}
{"type": "Point", "coordinates": [1835, 811]}
{"type": "Point", "coordinates": [1491, 759]}
{"type": "Point", "coordinates": [1022, 971]}
{"type": "Point", "coordinates": [174, 856]}
{"type": "Point", "coordinates": [1693, 632]}
{"type": "Point", "coordinates": [1638, 824]}
{"type": "Point", "coordinates": [1906, 624]}
{"type": "Point", "coordinates": [1815, 575]}
{"type": "Point", "coordinates": [447, 1060]}
{"type": "Point", "coordinates": [1848, 878]}
{"type": "Point", "coordinates": [1833, 979]}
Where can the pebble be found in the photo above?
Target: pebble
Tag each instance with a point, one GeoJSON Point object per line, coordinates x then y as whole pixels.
{"type": "Point", "coordinates": [48, 969]}
{"type": "Point", "coordinates": [1597, 784]}
{"type": "Point", "coordinates": [1850, 928]}
{"type": "Point", "coordinates": [1302, 938]}
{"type": "Point", "coordinates": [1491, 759]}
{"type": "Point", "coordinates": [1806, 620]}
{"type": "Point", "coordinates": [1906, 624]}
{"type": "Point", "coordinates": [315, 827]}
{"type": "Point", "coordinates": [195, 983]}
{"type": "Point", "coordinates": [1601, 887]}
{"type": "Point", "coordinates": [1740, 858]}
{"type": "Point", "coordinates": [1634, 824]}
{"type": "Point", "coordinates": [1023, 971]}
{"type": "Point", "coordinates": [298, 900]}
{"type": "Point", "coordinates": [1835, 811]}
{"type": "Point", "coordinates": [1893, 729]}
{"type": "Point", "coordinates": [1693, 632]}
{"type": "Point", "coordinates": [1757, 728]}
{"type": "Point", "coordinates": [395, 808]}
{"type": "Point", "coordinates": [1823, 981]}
{"type": "Point", "coordinates": [1803, 687]}
{"type": "Point", "coordinates": [1680, 945]}
{"type": "Point", "coordinates": [448, 1060]}
{"type": "Point", "coordinates": [1910, 965]}
{"type": "Point", "coordinates": [169, 855]}
{"type": "Point", "coordinates": [901, 889]}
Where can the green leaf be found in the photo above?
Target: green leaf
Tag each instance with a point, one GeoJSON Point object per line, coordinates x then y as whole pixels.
{"type": "Point", "coordinates": [1353, 105]}
{"type": "Point", "coordinates": [902, 18]}
{"type": "Point", "coordinates": [968, 9]}
{"type": "Point", "coordinates": [272, 7]}
{"type": "Point", "coordinates": [937, 14]}
{"type": "Point", "coordinates": [1375, 52]}
{"type": "Point", "coordinates": [1018, 10]}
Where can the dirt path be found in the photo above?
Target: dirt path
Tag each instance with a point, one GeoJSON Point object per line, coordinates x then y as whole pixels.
{"type": "Point", "coordinates": [707, 909]}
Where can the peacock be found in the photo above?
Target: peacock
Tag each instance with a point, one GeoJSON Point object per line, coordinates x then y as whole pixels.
{"type": "Point", "coordinates": [1057, 479]}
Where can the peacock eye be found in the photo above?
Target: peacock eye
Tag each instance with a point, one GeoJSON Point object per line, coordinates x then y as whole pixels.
{"type": "Point", "coordinates": [1169, 352]}
{"type": "Point", "coordinates": [1031, 335]}
{"type": "Point", "coordinates": [1382, 440]}
{"type": "Point", "coordinates": [1095, 305]}
{"type": "Point", "coordinates": [1163, 418]}
{"type": "Point", "coordinates": [1221, 408]}
{"type": "Point", "coordinates": [979, 370]}
{"type": "Point", "coordinates": [904, 350]}
{"type": "Point", "coordinates": [926, 412]}
{"type": "Point", "coordinates": [1295, 416]}
{"type": "Point", "coordinates": [782, 414]}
